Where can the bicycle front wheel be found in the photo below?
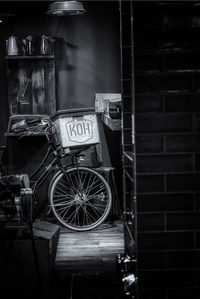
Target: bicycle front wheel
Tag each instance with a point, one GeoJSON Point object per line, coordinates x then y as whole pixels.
{"type": "Point", "coordinates": [81, 199]}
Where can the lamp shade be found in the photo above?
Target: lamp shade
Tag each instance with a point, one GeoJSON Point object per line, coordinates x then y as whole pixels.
{"type": "Point", "coordinates": [63, 8]}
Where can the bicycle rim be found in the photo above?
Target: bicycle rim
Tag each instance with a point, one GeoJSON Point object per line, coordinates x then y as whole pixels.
{"type": "Point", "coordinates": [83, 202]}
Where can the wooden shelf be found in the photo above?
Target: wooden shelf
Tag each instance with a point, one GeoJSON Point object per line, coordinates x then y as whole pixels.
{"type": "Point", "coordinates": [24, 134]}
{"type": "Point", "coordinates": [19, 57]}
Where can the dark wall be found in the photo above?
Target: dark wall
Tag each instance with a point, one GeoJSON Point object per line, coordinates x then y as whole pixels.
{"type": "Point", "coordinates": [167, 55]}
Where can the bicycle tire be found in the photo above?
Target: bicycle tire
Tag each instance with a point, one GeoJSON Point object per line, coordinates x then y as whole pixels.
{"type": "Point", "coordinates": [85, 203]}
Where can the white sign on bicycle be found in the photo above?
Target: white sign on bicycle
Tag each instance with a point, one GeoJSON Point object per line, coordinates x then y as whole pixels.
{"type": "Point", "coordinates": [76, 131]}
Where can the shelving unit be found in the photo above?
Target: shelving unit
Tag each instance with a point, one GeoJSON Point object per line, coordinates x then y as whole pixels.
{"type": "Point", "coordinates": [129, 260]}
{"type": "Point", "coordinates": [31, 96]}
{"type": "Point", "coordinates": [31, 84]}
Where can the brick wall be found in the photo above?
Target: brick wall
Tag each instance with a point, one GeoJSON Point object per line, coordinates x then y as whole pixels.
{"type": "Point", "coordinates": [167, 102]}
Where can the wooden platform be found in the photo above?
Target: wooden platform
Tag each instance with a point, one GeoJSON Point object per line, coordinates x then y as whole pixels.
{"type": "Point", "coordinates": [94, 251]}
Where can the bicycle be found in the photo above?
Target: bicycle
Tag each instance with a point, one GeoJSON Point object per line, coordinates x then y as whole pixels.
{"type": "Point", "coordinates": [79, 197]}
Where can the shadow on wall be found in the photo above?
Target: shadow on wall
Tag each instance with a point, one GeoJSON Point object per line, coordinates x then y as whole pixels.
{"type": "Point", "coordinates": [87, 55]}
{"type": "Point", "coordinates": [77, 66]}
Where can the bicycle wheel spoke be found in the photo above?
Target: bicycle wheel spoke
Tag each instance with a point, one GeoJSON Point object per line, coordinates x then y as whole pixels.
{"type": "Point", "coordinates": [75, 178]}
{"type": "Point", "coordinates": [77, 215]}
{"type": "Point", "coordinates": [84, 179]}
{"type": "Point", "coordinates": [88, 221]}
{"type": "Point", "coordinates": [72, 188]}
{"type": "Point", "coordinates": [73, 215]}
{"type": "Point", "coordinates": [94, 206]}
{"type": "Point", "coordinates": [64, 197]}
{"type": "Point", "coordinates": [60, 197]}
{"type": "Point", "coordinates": [61, 190]}
{"type": "Point", "coordinates": [85, 217]}
{"type": "Point", "coordinates": [60, 201]}
{"type": "Point", "coordinates": [64, 209]}
{"type": "Point", "coordinates": [79, 180]}
{"type": "Point", "coordinates": [92, 183]}
{"type": "Point", "coordinates": [61, 209]}
{"type": "Point", "coordinates": [81, 175]}
{"type": "Point", "coordinates": [78, 220]}
{"type": "Point", "coordinates": [72, 182]}
{"type": "Point", "coordinates": [101, 210]}
{"type": "Point", "coordinates": [97, 211]}
{"type": "Point", "coordinates": [96, 193]}
{"type": "Point", "coordinates": [89, 180]}
{"type": "Point", "coordinates": [66, 187]}
{"type": "Point", "coordinates": [70, 203]}
{"type": "Point", "coordinates": [91, 187]}
{"type": "Point", "coordinates": [89, 215]}
{"type": "Point", "coordinates": [62, 204]}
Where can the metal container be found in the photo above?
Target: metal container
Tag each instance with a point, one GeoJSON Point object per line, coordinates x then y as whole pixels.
{"type": "Point", "coordinates": [13, 46]}
{"type": "Point", "coordinates": [46, 45]}
{"type": "Point", "coordinates": [29, 45]}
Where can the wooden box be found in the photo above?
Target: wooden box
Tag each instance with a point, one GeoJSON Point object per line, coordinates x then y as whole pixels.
{"type": "Point", "coordinates": [76, 127]}
{"type": "Point", "coordinates": [19, 272]}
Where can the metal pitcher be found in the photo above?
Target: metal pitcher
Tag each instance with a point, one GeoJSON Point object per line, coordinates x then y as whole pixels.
{"type": "Point", "coordinates": [29, 45]}
{"type": "Point", "coordinates": [46, 45]}
{"type": "Point", "coordinates": [13, 46]}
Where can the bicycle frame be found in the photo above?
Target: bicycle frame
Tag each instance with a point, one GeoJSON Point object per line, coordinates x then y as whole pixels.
{"type": "Point", "coordinates": [79, 197]}
{"type": "Point", "coordinates": [56, 162]}
{"type": "Point", "coordinates": [35, 184]}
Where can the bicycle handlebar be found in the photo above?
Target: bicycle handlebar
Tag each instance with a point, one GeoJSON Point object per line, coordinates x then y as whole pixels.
{"type": "Point", "coordinates": [31, 126]}
{"type": "Point", "coordinates": [48, 128]}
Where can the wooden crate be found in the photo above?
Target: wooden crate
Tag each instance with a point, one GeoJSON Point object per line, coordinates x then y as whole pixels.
{"type": "Point", "coordinates": [19, 273]}
{"type": "Point", "coordinates": [76, 127]}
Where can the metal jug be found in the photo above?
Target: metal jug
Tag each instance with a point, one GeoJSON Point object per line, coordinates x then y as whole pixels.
{"type": "Point", "coordinates": [47, 45]}
{"type": "Point", "coordinates": [13, 46]}
{"type": "Point", "coordinates": [29, 45]}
